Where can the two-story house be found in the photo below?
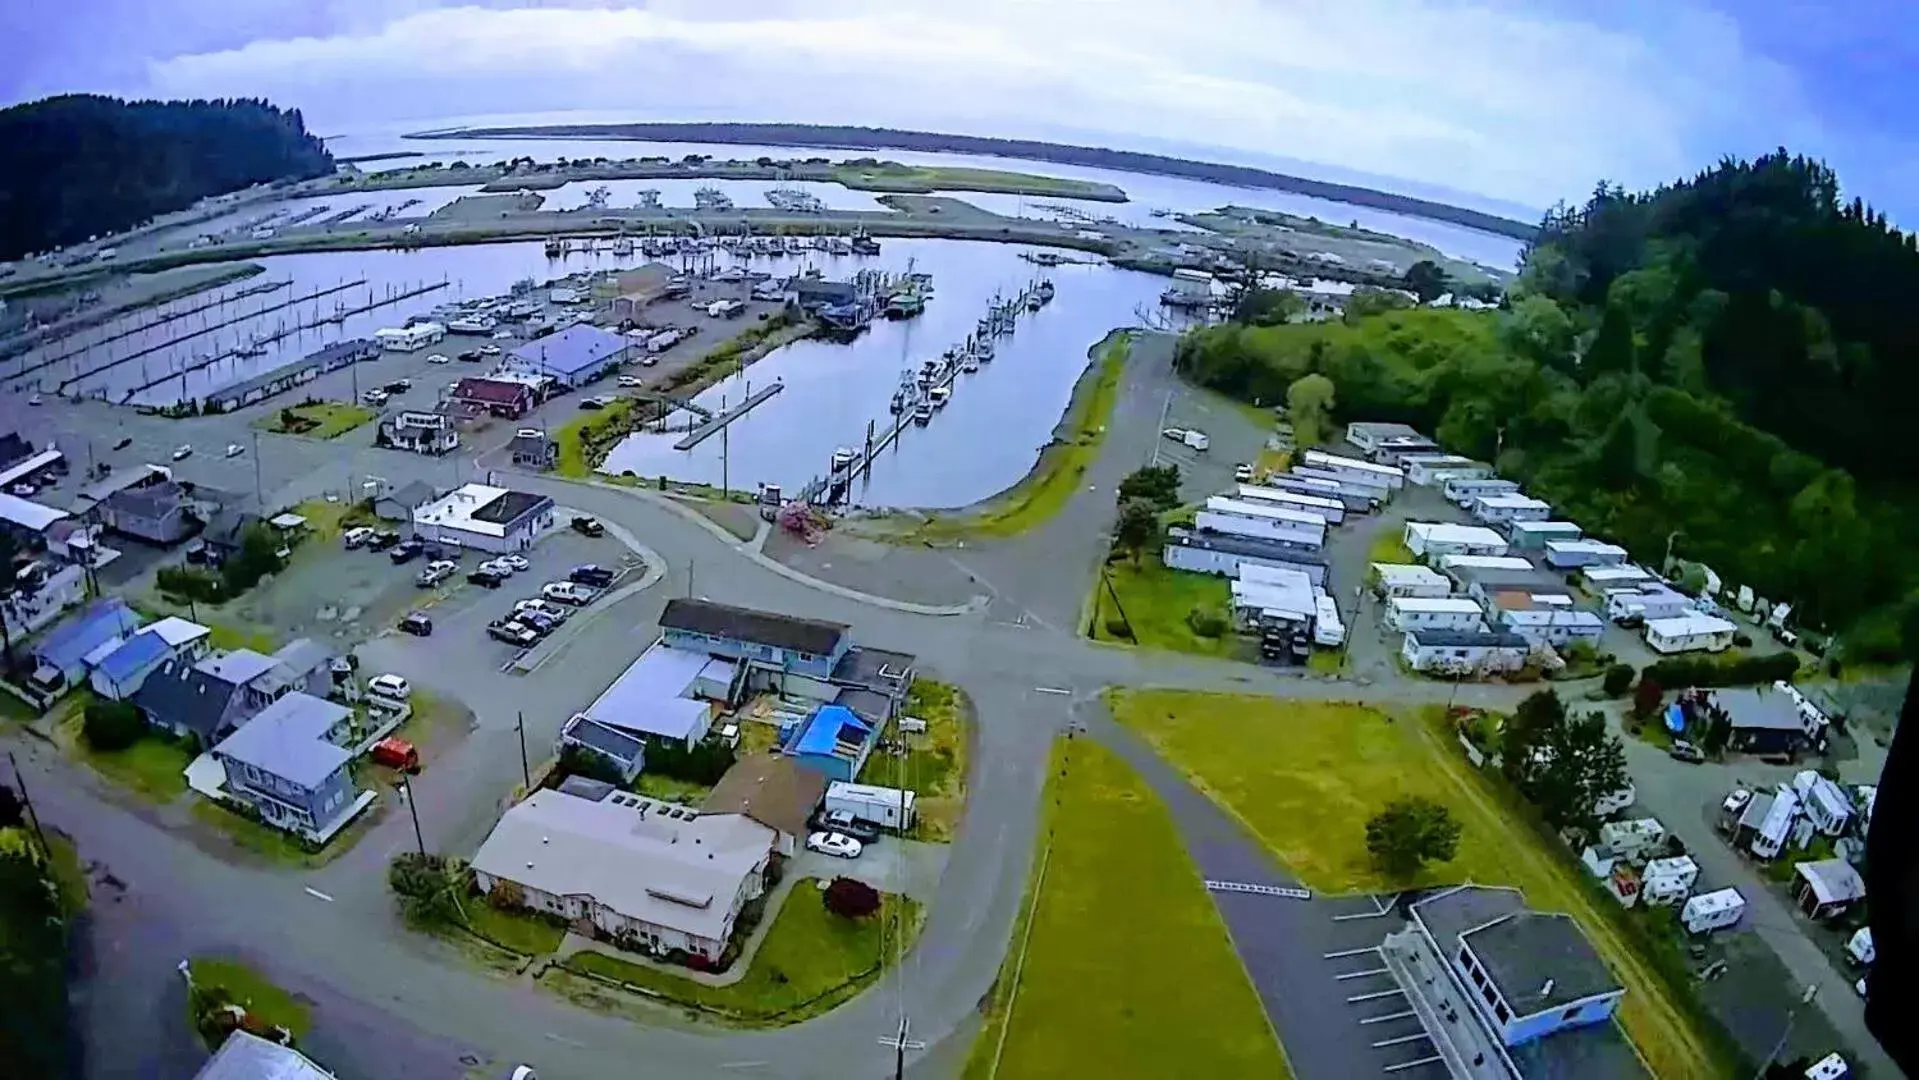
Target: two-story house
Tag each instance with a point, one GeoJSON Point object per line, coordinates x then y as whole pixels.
{"type": "Point", "coordinates": [211, 697]}
{"type": "Point", "coordinates": [288, 764]}
{"type": "Point", "coordinates": [792, 656]}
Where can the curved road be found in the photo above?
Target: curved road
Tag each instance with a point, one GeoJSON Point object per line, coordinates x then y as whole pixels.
{"type": "Point", "coordinates": [335, 929]}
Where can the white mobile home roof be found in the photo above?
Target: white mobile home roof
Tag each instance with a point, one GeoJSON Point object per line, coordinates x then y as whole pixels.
{"type": "Point", "coordinates": [1453, 604]}
{"type": "Point", "coordinates": [1513, 501]}
{"type": "Point", "coordinates": [1568, 547]}
{"type": "Point", "coordinates": [1289, 599]}
{"type": "Point", "coordinates": [1447, 533]}
{"type": "Point", "coordinates": [1320, 482]}
{"type": "Point", "coordinates": [1293, 499]}
{"type": "Point", "coordinates": [1275, 575]}
{"type": "Point", "coordinates": [1687, 625]}
{"type": "Point", "coordinates": [1334, 461]}
{"type": "Point", "coordinates": [1219, 504]}
{"type": "Point", "coordinates": [1409, 574]}
{"type": "Point", "coordinates": [1548, 528]}
{"type": "Point", "coordinates": [1484, 562]}
{"type": "Point", "coordinates": [1615, 575]}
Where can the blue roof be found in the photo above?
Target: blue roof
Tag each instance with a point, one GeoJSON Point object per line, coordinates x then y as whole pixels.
{"type": "Point", "coordinates": [288, 740]}
{"type": "Point", "coordinates": [571, 351]}
{"type": "Point", "coordinates": [822, 734]}
{"type": "Point", "coordinates": [98, 623]}
{"type": "Point", "coordinates": [135, 653]}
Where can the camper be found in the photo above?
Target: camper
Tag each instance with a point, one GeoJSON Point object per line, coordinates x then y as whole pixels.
{"type": "Point", "coordinates": [1776, 827]}
{"type": "Point", "coordinates": [1328, 630]}
{"type": "Point", "coordinates": [1667, 882]}
{"type": "Point", "coordinates": [885, 806]}
{"type": "Point", "coordinates": [1635, 840]}
{"type": "Point", "coordinates": [1712, 911]}
{"type": "Point", "coordinates": [1824, 803]}
{"type": "Point", "coordinates": [1693, 632]}
{"type": "Point", "coordinates": [1859, 948]}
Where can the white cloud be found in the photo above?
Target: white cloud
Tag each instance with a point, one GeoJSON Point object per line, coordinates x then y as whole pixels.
{"type": "Point", "coordinates": [1512, 104]}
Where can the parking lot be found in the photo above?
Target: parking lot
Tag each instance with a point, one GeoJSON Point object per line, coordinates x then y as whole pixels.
{"type": "Point", "coordinates": [1354, 974]}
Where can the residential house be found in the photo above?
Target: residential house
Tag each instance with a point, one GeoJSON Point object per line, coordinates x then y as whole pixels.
{"type": "Point", "coordinates": [665, 695]}
{"type": "Point", "coordinates": [649, 875]}
{"type": "Point", "coordinates": [60, 656]}
{"type": "Point", "coordinates": [306, 665]}
{"type": "Point", "coordinates": [622, 750]}
{"type": "Point", "coordinates": [1692, 632]}
{"type": "Point", "coordinates": [833, 741]}
{"type": "Point", "coordinates": [1464, 652]}
{"type": "Point", "coordinates": [1827, 888]}
{"type": "Point", "coordinates": [225, 534]}
{"type": "Point", "coordinates": [162, 512]}
{"type": "Point", "coordinates": [121, 671]}
{"type": "Point", "coordinates": [1503, 991]}
{"type": "Point", "coordinates": [41, 594]}
{"type": "Point", "coordinates": [506, 398]}
{"type": "Point", "coordinates": [211, 697]}
{"type": "Point", "coordinates": [246, 1056]}
{"type": "Point", "coordinates": [1764, 720]}
{"type": "Point", "coordinates": [532, 449]}
{"type": "Point", "coordinates": [1434, 613]}
{"type": "Point", "coordinates": [773, 789]}
{"type": "Point", "coordinates": [399, 503]}
{"type": "Point", "coordinates": [287, 763]}
{"type": "Point", "coordinates": [419, 431]}
{"type": "Point", "coordinates": [804, 659]}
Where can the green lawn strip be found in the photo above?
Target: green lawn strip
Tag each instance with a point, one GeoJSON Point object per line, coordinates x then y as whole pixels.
{"type": "Point", "coordinates": [69, 873]}
{"type": "Point", "coordinates": [12, 707]}
{"type": "Point", "coordinates": [891, 176]}
{"type": "Point", "coordinates": [581, 437]}
{"type": "Point", "coordinates": [1056, 477]}
{"type": "Point", "coordinates": [934, 766]}
{"type": "Point", "coordinates": [278, 845]}
{"type": "Point", "coordinates": [1389, 547]}
{"type": "Point", "coordinates": [251, 990]}
{"type": "Point", "coordinates": [1090, 1001]}
{"type": "Point", "coordinates": [154, 767]}
{"type": "Point", "coordinates": [316, 419]}
{"type": "Point", "coordinates": [1157, 602]}
{"type": "Point", "coordinates": [520, 931]}
{"type": "Point", "coordinates": [670, 789]}
{"type": "Point", "coordinates": [810, 961]}
{"type": "Point", "coordinates": [1305, 776]}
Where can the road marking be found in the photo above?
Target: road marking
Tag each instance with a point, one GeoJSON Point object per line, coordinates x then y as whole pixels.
{"type": "Point", "coordinates": [1262, 890]}
{"type": "Point", "coordinates": [1388, 1016]}
{"type": "Point", "coordinates": [1359, 974]}
{"type": "Point", "coordinates": [745, 1065]}
{"type": "Point", "coordinates": [318, 895]}
{"type": "Point", "coordinates": [1351, 952]}
{"type": "Point", "coordinates": [1413, 1064]}
{"type": "Point", "coordinates": [1051, 690]}
{"type": "Point", "coordinates": [1375, 996]}
{"type": "Point", "coordinates": [1400, 1040]}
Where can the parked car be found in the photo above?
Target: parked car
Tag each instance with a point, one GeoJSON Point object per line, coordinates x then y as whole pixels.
{"type": "Point", "coordinates": [844, 823]}
{"type": "Point", "coordinates": [183, 451]}
{"type": "Point", "coordinates": [632, 381]}
{"type": "Point", "coordinates": [437, 358]}
{"type": "Point", "coordinates": [234, 449]}
{"type": "Point", "coordinates": [514, 561]}
{"type": "Point", "coordinates": [407, 550]}
{"type": "Point", "coordinates": [356, 537]}
{"type": "Point", "coordinates": [486, 577]}
{"type": "Point", "coordinates": [544, 607]}
{"type": "Point", "coordinates": [511, 632]}
{"type": "Point", "coordinates": [375, 396]}
{"type": "Point", "coordinates": [539, 621]}
{"type": "Point", "coordinates": [36, 399]}
{"type": "Point", "coordinates": [598, 577]}
{"type": "Point", "coordinates": [383, 539]}
{"type": "Point", "coordinates": [417, 624]}
{"type": "Point", "coordinates": [123, 442]}
{"type": "Point", "coordinates": [587, 526]}
{"type": "Point", "coordinates": [1681, 750]}
{"type": "Point", "coordinates": [436, 571]}
{"type": "Point", "coordinates": [1243, 473]}
{"type": "Point", "coordinates": [22, 489]}
{"type": "Point", "coordinates": [390, 686]}
{"type": "Point", "coordinates": [401, 386]}
{"type": "Point", "coordinates": [834, 844]}
{"type": "Point", "coordinates": [1736, 801]}
{"type": "Point", "coordinates": [598, 401]}
{"type": "Point", "coordinates": [396, 754]}
{"type": "Point", "coordinates": [568, 592]}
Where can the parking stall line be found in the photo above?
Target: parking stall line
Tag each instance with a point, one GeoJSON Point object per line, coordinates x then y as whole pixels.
{"type": "Point", "coordinates": [1367, 974]}
{"type": "Point", "coordinates": [1387, 1017]}
{"type": "Point", "coordinates": [1413, 1064]}
{"type": "Point", "coordinates": [1375, 995]}
{"type": "Point", "coordinates": [1400, 1041]}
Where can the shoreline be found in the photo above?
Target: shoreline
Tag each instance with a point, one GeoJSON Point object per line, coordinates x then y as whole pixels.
{"type": "Point", "coordinates": [836, 137]}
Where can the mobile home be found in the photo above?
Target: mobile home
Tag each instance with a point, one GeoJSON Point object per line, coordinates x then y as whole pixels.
{"type": "Point", "coordinates": [1533, 535]}
{"type": "Point", "coordinates": [1296, 525]}
{"type": "Point", "coordinates": [1769, 837]}
{"type": "Point", "coordinates": [1579, 554]}
{"type": "Point", "coordinates": [1648, 603]}
{"type": "Point", "coordinates": [1434, 613]}
{"type": "Point", "coordinates": [1222, 554]}
{"type": "Point", "coordinates": [1431, 539]}
{"type": "Point", "coordinates": [410, 338]}
{"type": "Point", "coordinates": [886, 807]}
{"type": "Point", "coordinates": [1463, 490]}
{"type": "Point", "coordinates": [1354, 468]}
{"type": "Point", "coordinates": [1712, 911]}
{"type": "Point", "coordinates": [1410, 580]}
{"type": "Point", "coordinates": [1511, 506]}
{"type": "Point", "coordinates": [1431, 470]}
{"type": "Point", "coordinates": [1695, 632]}
{"type": "Point", "coordinates": [1463, 652]}
{"type": "Point", "coordinates": [1372, 489]}
{"type": "Point", "coordinates": [1329, 508]}
{"type": "Point", "coordinates": [1553, 626]}
{"type": "Point", "coordinates": [1287, 596]}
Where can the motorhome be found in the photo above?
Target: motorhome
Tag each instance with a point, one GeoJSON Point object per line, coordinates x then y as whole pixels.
{"type": "Point", "coordinates": [410, 338]}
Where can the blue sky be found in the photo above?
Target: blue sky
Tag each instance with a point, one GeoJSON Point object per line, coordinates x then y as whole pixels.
{"type": "Point", "coordinates": [1521, 103]}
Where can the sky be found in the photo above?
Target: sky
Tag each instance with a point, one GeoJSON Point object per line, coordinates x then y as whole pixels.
{"type": "Point", "coordinates": [1520, 104]}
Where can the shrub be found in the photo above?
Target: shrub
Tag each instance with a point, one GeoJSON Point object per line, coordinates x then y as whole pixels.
{"type": "Point", "coordinates": [506, 896]}
{"type": "Point", "coordinates": [1649, 695]}
{"type": "Point", "coordinates": [1409, 833]}
{"type": "Point", "coordinates": [704, 763]}
{"type": "Point", "coordinates": [852, 899]}
{"type": "Point", "coordinates": [112, 725]}
{"type": "Point", "coordinates": [1618, 680]}
{"type": "Point", "coordinates": [1206, 623]}
{"type": "Point", "coordinates": [1710, 671]}
{"type": "Point", "coordinates": [190, 583]}
{"type": "Point", "coordinates": [576, 761]}
{"type": "Point", "coordinates": [1118, 628]}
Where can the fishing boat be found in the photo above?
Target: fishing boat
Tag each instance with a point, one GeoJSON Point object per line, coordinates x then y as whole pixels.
{"type": "Point", "coordinates": [840, 245]}
{"type": "Point", "coordinates": [1033, 302]}
{"type": "Point", "coordinates": [623, 245]}
{"type": "Point", "coordinates": [923, 415]}
{"type": "Point", "coordinates": [984, 350]}
{"type": "Point", "coordinates": [1045, 290]}
{"type": "Point", "coordinates": [905, 305]}
{"type": "Point", "coordinates": [864, 245]}
{"type": "Point", "coordinates": [939, 396]}
{"type": "Point", "coordinates": [554, 249]}
{"type": "Point", "coordinates": [843, 459]}
{"type": "Point", "coordinates": [969, 362]}
{"type": "Point", "coordinates": [795, 246]}
{"type": "Point", "coordinates": [711, 198]}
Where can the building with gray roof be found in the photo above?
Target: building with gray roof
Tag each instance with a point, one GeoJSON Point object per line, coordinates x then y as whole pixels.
{"type": "Point", "coordinates": [288, 763]}
{"type": "Point", "coordinates": [572, 357]}
{"type": "Point", "coordinates": [245, 1056]}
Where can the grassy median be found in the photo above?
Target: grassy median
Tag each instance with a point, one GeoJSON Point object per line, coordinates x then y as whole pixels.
{"type": "Point", "coordinates": [1125, 969]}
{"type": "Point", "coordinates": [1305, 776]}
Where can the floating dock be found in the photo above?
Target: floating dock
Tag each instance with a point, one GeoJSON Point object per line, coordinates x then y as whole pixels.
{"type": "Point", "coordinates": [715, 425]}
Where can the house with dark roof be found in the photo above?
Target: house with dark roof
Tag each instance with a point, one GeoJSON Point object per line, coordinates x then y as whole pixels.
{"type": "Point", "coordinates": [574, 356]}
{"type": "Point", "coordinates": [213, 697]}
{"type": "Point", "coordinates": [122, 671]}
{"type": "Point", "coordinates": [788, 643]}
{"type": "Point", "coordinates": [833, 742]}
{"type": "Point", "coordinates": [158, 513]}
{"type": "Point", "coordinates": [485, 518]}
{"type": "Point", "coordinates": [498, 397]}
{"type": "Point", "coordinates": [1506, 992]}
{"type": "Point", "coordinates": [623, 750]}
{"type": "Point", "coordinates": [288, 763]}
{"type": "Point", "coordinates": [773, 789]}
{"type": "Point", "coordinates": [399, 504]}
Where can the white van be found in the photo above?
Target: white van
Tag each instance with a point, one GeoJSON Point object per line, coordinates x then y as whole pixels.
{"type": "Point", "coordinates": [390, 688]}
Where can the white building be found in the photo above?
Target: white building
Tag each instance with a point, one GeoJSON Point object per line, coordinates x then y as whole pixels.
{"type": "Point", "coordinates": [664, 695]}
{"type": "Point", "coordinates": [1410, 579]}
{"type": "Point", "coordinates": [1434, 613]}
{"type": "Point", "coordinates": [1667, 882]}
{"type": "Point", "coordinates": [1325, 506]}
{"type": "Point", "coordinates": [1463, 490]}
{"type": "Point", "coordinates": [1368, 472]}
{"type": "Point", "coordinates": [1275, 522]}
{"type": "Point", "coordinates": [485, 518]}
{"type": "Point", "coordinates": [655, 876]}
{"type": "Point", "coordinates": [1222, 554]}
{"type": "Point", "coordinates": [1696, 632]}
{"type": "Point", "coordinates": [1431, 539]}
{"type": "Point", "coordinates": [1532, 535]}
{"type": "Point", "coordinates": [1463, 652]}
{"type": "Point", "coordinates": [1712, 911]}
{"type": "Point", "coordinates": [1605, 578]}
{"type": "Point", "coordinates": [1649, 601]}
{"type": "Point", "coordinates": [1577, 554]}
{"type": "Point", "coordinates": [410, 338]}
{"type": "Point", "coordinates": [1555, 626]}
{"type": "Point", "coordinates": [1510, 507]}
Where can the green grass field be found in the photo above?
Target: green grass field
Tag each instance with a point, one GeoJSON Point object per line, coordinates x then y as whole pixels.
{"type": "Point", "coordinates": [251, 990]}
{"type": "Point", "coordinates": [915, 179]}
{"type": "Point", "coordinates": [316, 419]}
{"type": "Point", "coordinates": [1128, 971]}
{"type": "Point", "coordinates": [1157, 602]}
{"type": "Point", "coordinates": [935, 764]}
{"type": "Point", "coordinates": [1389, 547]}
{"type": "Point", "coordinates": [153, 767]}
{"type": "Point", "coordinates": [810, 961]}
{"type": "Point", "coordinates": [1305, 776]}
{"type": "Point", "coordinates": [1053, 481]}
{"type": "Point", "coordinates": [523, 932]}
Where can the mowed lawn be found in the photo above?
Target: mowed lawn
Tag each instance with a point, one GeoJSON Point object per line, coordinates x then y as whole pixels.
{"type": "Point", "coordinates": [1305, 777]}
{"type": "Point", "coordinates": [1128, 970]}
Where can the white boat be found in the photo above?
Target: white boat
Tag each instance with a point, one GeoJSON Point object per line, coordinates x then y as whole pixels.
{"type": "Point", "coordinates": [984, 350]}
{"type": "Point", "coordinates": [939, 396]}
{"type": "Point", "coordinates": [843, 459]}
{"type": "Point", "coordinates": [471, 325]}
{"type": "Point", "coordinates": [969, 362]}
{"type": "Point", "coordinates": [923, 415]}
{"type": "Point", "coordinates": [623, 246]}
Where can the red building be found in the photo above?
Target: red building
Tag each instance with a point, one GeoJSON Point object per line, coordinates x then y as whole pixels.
{"type": "Point", "coordinates": [497, 396]}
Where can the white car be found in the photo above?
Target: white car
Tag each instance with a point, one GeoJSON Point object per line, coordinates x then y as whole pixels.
{"type": "Point", "coordinates": [1243, 474]}
{"type": "Point", "coordinates": [568, 592]}
{"type": "Point", "coordinates": [438, 358]}
{"type": "Point", "coordinates": [503, 566]}
{"type": "Point", "coordinates": [34, 400]}
{"type": "Point", "coordinates": [543, 607]}
{"type": "Point", "coordinates": [375, 396]}
{"type": "Point", "coordinates": [498, 335]}
{"type": "Point", "coordinates": [632, 381]}
{"type": "Point", "coordinates": [514, 562]}
{"type": "Point", "coordinates": [183, 451]}
{"type": "Point", "coordinates": [356, 537]}
{"type": "Point", "coordinates": [389, 686]}
{"type": "Point", "coordinates": [1736, 801]}
{"type": "Point", "coordinates": [436, 572]}
{"type": "Point", "coordinates": [834, 844]}
{"type": "Point", "coordinates": [234, 449]}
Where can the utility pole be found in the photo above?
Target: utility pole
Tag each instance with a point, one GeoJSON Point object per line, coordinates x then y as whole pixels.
{"type": "Point", "coordinates": [526, 773]}
{"type": "Point", "coordinates": [406, 792]}
{"type": "Point", "coordinates": [725, 428]}
{"type": "Point", "coordinates": [33, 818]}
{"type": "Point", "coordinates": [259, 494]}
{"type": "Point", "coordinates": [900, 1044]}
{"type": "Point", "coordinates": [1805, 999]}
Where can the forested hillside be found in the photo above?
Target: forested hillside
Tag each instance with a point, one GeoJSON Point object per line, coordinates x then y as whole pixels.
{"type": "Point", "coordinates": [1725, 365]}
{"type": "Point", "coordinates": [83, 165]}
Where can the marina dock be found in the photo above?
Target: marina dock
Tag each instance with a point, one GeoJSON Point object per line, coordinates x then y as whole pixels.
{"type": "Point", "coordinates": [163, 319]}
{"type": "Point", "coordinates": [719, 421]}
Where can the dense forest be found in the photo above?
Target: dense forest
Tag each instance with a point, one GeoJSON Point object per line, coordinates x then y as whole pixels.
{"type": "Point", "coordinates": [840, 137]}
{"type": "Point", "coordinates": [1721, 368]}
{"type": "Point", "coordinates": [82, 165]}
